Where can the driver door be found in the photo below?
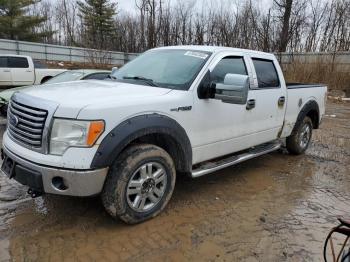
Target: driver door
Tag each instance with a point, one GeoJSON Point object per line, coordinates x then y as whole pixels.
{"type": "Point", "coordinates": [221, 128]}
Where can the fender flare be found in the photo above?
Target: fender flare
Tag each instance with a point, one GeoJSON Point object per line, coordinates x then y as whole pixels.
{"type": "Point", "coordinates": [309, 106]}
{"type": "Point", "coordinates": [129, 130]}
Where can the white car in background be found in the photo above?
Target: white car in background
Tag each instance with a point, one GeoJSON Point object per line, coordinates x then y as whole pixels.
{"type": "Point", "coordinates": [18, 70]}
{"type": "Point", "coordinates": [79, 74]}
{"type": "Point", "coordinates": [67, 76]}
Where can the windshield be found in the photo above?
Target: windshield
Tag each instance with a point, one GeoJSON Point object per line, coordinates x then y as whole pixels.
{"type": "Point", "coordinates": [65, 77]}
{"type": "Point", "coordinates": [174, 69]}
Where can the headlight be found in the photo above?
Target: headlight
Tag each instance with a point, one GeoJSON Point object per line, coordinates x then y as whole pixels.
{"type": "Point", "coordinates": [67, 133]}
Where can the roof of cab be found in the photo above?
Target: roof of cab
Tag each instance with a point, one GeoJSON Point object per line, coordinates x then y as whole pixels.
{"type": "Point", "coordinates": [216, 49]}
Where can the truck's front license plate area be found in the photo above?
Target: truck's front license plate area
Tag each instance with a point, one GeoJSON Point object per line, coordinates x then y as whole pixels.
{"type": "Point", "coordinates": [8, 166]}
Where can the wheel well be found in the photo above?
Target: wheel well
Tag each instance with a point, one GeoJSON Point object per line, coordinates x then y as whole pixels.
{"type": "Point", "coordinates": [310, 109]}
{"type": "Point", "coordinates": [169, 144]}
{"type": "Point", "coordinates": [154, 129]}
{"type": "Point", "coordinates": [313, 114]}
{"type": "Point", "coordinates": [45, 79]}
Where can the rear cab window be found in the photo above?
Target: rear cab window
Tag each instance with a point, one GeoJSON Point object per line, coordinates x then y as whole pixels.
{"type": "Point", "coordinates": [266, 73]}
{"type": "Point", "coordinates": [18, 62]}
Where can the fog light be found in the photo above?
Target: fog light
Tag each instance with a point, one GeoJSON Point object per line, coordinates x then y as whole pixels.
{"type": "Point", "coordinates": [58, 183]}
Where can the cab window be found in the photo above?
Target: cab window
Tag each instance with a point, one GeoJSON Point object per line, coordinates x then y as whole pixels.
{"type": "Point", "coordinates": [18, 62]}
{"type": "Point", "coordinates": [228, 65]}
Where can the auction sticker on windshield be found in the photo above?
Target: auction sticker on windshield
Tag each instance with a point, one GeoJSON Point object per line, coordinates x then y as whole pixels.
{"type": "Point", "coordinates": [196, 54]}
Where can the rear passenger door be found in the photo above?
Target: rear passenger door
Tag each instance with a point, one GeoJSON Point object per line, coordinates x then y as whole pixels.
{"type": "Point", "coordinates": [267, 95]}
{"type": "Point", "coordinates": [22, 72]}
{"type": "Point", "coordinates": [5, 72]}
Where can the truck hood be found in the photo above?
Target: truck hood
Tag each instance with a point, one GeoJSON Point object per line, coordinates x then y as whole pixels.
{"type": "Point", "coordinates": [73, 96]}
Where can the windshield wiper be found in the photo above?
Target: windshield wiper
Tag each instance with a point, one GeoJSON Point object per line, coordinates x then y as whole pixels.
{"type": "Point", "coordinates": [141, 78]}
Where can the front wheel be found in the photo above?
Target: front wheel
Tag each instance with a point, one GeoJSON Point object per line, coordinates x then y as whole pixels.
{"type": "Point", "coordinates": [139, 184]}
{"type": "Point", "coordinates": [299, 141]}
{"type": "Point", "coordinates": [3, 110]}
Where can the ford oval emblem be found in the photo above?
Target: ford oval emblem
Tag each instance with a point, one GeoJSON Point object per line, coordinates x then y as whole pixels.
{"type": "Point", "coordinates": [14, 120]}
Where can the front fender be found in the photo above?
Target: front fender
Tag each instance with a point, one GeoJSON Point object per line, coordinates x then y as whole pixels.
{"type": "Point", "coordinates": [129, 130]}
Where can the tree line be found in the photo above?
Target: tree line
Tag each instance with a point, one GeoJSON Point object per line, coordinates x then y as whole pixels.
{"type": "Point", "coordinates": [286, 25]}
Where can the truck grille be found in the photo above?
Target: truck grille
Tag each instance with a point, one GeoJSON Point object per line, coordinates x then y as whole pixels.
{"type": "Point", "coordinates": [26, 124]}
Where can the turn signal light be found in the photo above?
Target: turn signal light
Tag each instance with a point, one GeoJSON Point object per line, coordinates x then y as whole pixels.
{"type": "Point", "coordinates": [95, 130]}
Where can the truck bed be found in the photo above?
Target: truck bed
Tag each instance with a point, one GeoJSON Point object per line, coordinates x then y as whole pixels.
{"type": "Point", "coordinates": [298, 95]}
{"type": "Point", "coordinates": [302, 85]}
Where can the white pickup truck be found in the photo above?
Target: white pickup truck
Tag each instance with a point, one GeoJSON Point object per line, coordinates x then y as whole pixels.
{"type": "Point", "coordinates": [171, 111]}
{"type": "Point", "coordinates": [18, 70]}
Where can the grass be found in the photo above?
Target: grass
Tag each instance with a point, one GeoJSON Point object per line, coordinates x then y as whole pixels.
{"type": "Point", "coordinates": [335, 76]}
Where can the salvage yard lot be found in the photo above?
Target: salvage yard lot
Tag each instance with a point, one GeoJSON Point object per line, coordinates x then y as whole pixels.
{"type": "Point", "coordinates": [276, 207]}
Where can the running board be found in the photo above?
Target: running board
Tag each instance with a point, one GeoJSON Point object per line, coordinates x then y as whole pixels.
{"type": "Point", "coordinates": [209, 167]}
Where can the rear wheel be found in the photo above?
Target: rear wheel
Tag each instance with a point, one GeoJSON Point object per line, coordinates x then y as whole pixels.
{"type": "Point", "coordinates": [140, 184]}
{"type": "Point", "coordinates": [299, 141]}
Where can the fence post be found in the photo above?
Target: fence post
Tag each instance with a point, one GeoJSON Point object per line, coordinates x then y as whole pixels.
{"type": "Point", "coordinates": [126, 57]}
{"type": "Point", "coordinates": [17, 48]}
{"type": "Point", "coordinates": [45, 49]}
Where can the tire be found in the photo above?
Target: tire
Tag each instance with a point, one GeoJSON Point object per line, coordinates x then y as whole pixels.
{"type": "Point", "coordinates": [139, 184]}
{"type": "Point", "coordinates": [3, 110]}
{"type": "Point", "coordinates": [300, 139]}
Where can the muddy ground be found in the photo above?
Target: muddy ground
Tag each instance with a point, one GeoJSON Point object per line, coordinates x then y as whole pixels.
{"type": "Point", "coordinates": [277, 207]}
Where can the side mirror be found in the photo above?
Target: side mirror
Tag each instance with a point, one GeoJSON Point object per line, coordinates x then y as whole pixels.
{"type": "Point", "coordinates": [203, 89]}
{"type": "Point", "coordinates": [114, 69]}
{"type": "Point", "coordinates": [234, 90]}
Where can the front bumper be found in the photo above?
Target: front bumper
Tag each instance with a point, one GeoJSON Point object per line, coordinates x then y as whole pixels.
{"type": "Point", "coordinates": [40, 177]}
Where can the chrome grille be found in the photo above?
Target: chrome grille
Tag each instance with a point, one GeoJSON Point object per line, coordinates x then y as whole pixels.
{"type": "Point", "coordinates": [26, 123]}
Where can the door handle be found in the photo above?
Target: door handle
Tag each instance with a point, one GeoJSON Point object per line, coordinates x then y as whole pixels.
{"type": "Point", "coordinates": [281, 101]}
{"type": "Point", "coordinates": [7, 71]}
{"type": "Point", "coordinates": [29, 71]}
{"type": "Point", "coordinates": [250, 104]}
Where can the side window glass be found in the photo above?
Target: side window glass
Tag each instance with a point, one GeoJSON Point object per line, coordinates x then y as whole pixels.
{"type": "Point", "coordinates": [97, 76]}
{"type": "Point", "coordinates": [18, 62]}
{"type": "Point", "coordinates": [102, 76]}
{"type": "Point", "coordinates": [266, 73]}
{"type": "Point", "coordinates": [3, 62]}
{"type": "Point", "coordinates": [228, 65]}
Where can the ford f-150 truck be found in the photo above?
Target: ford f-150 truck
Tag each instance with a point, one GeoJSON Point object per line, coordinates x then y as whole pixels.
{"type": "Point", "coordinates": [18, 70]}
{"type": "Point", "coordinates": [171, 111]}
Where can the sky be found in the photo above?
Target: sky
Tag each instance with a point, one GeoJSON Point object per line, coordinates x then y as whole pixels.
{"type": "Point", "coordinates": [129, 5]}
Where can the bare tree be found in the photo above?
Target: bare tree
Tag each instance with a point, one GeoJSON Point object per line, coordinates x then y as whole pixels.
{"type": "Point", "coordinates": [288, 25]}
{"type": "Point", "coordinates": [285, 8]}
